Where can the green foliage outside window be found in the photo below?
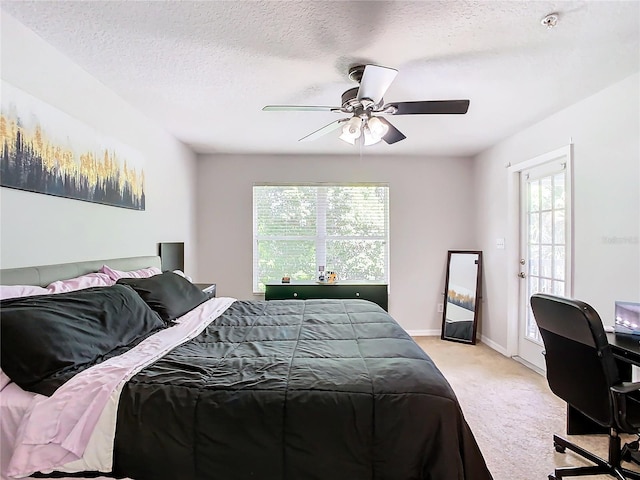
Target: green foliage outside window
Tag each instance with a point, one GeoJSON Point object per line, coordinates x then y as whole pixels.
{"type": "Point", "coordinates": [298, 228]}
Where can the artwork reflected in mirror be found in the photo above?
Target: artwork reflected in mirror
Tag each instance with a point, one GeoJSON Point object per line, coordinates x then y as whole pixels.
{"type": "Point", "coordinates": [462, 296]}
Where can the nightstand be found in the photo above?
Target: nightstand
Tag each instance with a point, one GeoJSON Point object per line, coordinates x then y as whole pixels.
{"type": "Point", "coordinates": [209, 288]}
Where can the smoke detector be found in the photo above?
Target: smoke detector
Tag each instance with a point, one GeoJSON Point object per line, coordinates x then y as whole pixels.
{"type": "Point", "coordinates": [550, 20]}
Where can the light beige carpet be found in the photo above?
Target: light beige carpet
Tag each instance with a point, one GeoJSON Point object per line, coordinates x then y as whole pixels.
{"type": "Point", "coordinates": [511, 411]}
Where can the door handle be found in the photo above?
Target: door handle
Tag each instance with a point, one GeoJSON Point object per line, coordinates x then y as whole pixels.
{"type": "Point", "coordinates": [522, 275]}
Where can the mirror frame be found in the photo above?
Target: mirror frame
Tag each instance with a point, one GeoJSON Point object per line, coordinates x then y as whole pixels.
{"type": "Point", "coordinates": [478, 300]}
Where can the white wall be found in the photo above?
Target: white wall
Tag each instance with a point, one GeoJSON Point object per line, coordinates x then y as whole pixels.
{"type": "Point", "coordinates": [605, 130]}
{"type": "Point", "coordinates": [40, 229]}
{"type": "Point", "coordinates": [431, 211]}
{"type": "Point", "coordinates": [436, 203]}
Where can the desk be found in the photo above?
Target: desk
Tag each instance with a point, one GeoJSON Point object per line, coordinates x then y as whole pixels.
{"type": "Point", "coordinates": [626, 351]}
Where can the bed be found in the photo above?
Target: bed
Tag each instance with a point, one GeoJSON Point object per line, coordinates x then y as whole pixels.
{"type": "Point", "coordinates": [459, 329]}
{"type": "Point", "coordinates": [228, 389]}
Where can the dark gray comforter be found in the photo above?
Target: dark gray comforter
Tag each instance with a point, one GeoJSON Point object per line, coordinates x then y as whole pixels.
{"type": "Point", "coordinates": [295, 390]}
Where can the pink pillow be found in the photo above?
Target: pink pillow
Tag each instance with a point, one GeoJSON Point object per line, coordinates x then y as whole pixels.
{"type": "Point", "coordinates": [142, 273]}
{"type": "Point", "coordinates": [14, 291]}
{"type": "Point", "coordinates": [78, 283]}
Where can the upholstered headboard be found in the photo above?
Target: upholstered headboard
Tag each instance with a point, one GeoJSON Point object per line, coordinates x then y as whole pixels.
{"type": "Point", "coordinates": [45, 274]}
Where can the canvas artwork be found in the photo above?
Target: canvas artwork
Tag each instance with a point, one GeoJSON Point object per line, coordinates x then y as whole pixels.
{"type": "Point", "coordinates": [44, 150]}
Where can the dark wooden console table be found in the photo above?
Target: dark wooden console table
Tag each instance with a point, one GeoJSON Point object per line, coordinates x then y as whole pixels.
{"type": "Point", "coordinates": [374, 292]}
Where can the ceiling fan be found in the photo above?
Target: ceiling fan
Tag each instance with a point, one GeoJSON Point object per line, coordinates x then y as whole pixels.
{"type": "Point", "coordinates": [366, 105]}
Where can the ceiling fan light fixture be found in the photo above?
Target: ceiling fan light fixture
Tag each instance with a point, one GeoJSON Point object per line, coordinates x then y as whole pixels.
{"type": "Point", "coordinates": [348, 139]}
{"type": "Point", "coordinates": [373, 131]}
{"type": "Point", "coordinates": [370, 138]}
{"type": "Point", "coordinates": [352, 130]}
{"type": "Point", "coordinates": [377, 127]}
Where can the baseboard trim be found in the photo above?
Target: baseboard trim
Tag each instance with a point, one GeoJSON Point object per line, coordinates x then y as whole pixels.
{"type": "Point", "coordinates": [436, 333]}
{"type": "Point", "coordinates": [424, 333]}
{"type": "Point", "coordinates": [487, 341]}
{"type": "Point", "coordinates": [491, 344]}
{"type": "Point", "coordinates": [529, 365]}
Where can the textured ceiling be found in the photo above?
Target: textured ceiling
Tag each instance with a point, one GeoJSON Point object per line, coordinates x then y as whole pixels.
{"type": "Point", "coordinates": [204, 69]}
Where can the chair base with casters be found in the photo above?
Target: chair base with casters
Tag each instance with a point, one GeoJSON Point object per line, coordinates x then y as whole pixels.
{"type": "Point", "coordinates": [630, 452]}
{"type": "Point", "coordinates": [602, 467]}
{"type": "Point", "coordinates": [582, 371]}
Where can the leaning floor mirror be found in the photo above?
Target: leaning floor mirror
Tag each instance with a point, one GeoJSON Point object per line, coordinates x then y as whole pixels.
{"type": "Point", "coordinates": [462, 290]}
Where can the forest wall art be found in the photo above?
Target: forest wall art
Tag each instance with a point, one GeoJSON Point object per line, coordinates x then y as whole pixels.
{"type": "Point", "coordinates": [44, 150]}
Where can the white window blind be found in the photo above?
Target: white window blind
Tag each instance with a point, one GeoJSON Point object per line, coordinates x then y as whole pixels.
{"type": "Point", "coordinates": [298, 228]}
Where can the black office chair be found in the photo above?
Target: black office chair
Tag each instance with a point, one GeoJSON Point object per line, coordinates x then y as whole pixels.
{"type": "Point", "coordinates": [582, 371]}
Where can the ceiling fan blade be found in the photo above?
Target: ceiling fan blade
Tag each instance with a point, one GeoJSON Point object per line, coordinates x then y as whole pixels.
{"type": "Point", "coordinates": [429, 107]}
{"type": "Point", "coordinates": [324, 130]}
{"type": "Point", "coordinates": [393, 135]}
{"type": "Point", "coordinates": [299, 108]}
{"type": "Point", "coordinates": [375, 82]}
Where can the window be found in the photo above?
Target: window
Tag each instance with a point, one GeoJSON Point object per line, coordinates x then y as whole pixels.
{"type": "Point", "coordinates": [298, 228]}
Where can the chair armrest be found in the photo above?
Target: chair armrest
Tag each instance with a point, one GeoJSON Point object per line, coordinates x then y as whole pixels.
{"type": "Point", "coordinates": [625, 387]}
{"type": "Point", "coordinates": [619, 394]}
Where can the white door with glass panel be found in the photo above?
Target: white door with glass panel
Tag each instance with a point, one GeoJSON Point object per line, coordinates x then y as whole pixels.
{"type": "Point", "coordinates": [545, 246]}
